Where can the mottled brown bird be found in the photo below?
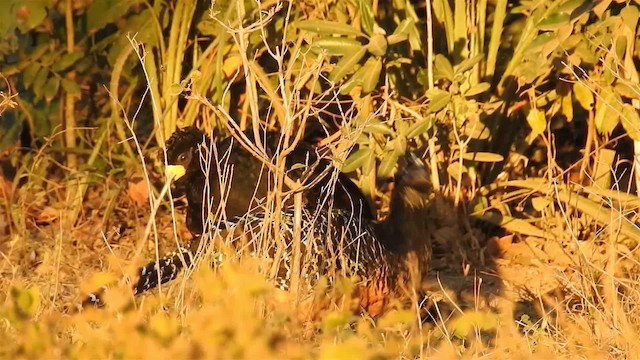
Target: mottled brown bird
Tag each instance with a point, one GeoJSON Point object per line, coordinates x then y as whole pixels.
{"type": "Point", "coordinates": [192, 163]}
{"type": "Point", "coordinates": [339, 241]}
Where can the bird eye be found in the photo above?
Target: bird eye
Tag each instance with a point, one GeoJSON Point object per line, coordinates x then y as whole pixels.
{"type": "Point", "coordinates": [182, 157]}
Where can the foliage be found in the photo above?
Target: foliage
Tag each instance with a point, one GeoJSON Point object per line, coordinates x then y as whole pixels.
{"type": "Point", "coordinates": [492, 93]}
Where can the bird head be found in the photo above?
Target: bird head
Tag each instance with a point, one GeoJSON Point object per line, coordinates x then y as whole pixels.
{"type": "Point", "coordinates": [413, 173]}
{"type": "Point", "coordinates": [182, 151]}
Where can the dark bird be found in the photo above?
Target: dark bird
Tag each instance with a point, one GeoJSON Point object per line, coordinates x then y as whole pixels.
{"type": "Point", "coordinates": [197, 173]}
{"type": "Point", "coordinates": [339, 241]}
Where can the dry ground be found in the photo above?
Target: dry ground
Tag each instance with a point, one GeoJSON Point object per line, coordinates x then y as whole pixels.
{"type": "Point", "coordinates": [490, 293]}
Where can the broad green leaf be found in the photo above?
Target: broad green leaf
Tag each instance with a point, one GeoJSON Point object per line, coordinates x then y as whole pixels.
{"type": "Point", "coordinates": [631, 121]}
{"type": "Point", "coordinates": [376, 126]}
{"type": "Point", "coordinates": [608, 109]}
{"type": "Point", "coordinates": [389, 161]}
{"type": "Point", "coordinates": [51, 88]}
{"type": "Point", "coordinates": [337, 45]}
{"type": "Point", "coordinates": [455, 170]}
{"type": "Point", "coordinates": [468, 64]}
{"type": "Point", "coordinates": [328, 27]}
{"type": "Point", "coordinates": [66, 61]}
{"type": "Point", "coordinates": [477, 89]}
{"type": "Point", "coordinates": [357, 160]}
{"type": "Point", "coordinates": [483, 157]}
{"type": "Point", "coordinates": [30, 14]}
{"type": "Point", "coordinates": [369, 164]}
{"type": "Point", "coordinates": [540, 42]}
{"type": "Point", "coordinates": [29, 74]}
{"type": "Point", "coordinates": [39, 82]}
{"type": "Point", "coordinates": [346, 65]}
{"type": "Point", "coordinates": [420, 127]}
{"type": "Point", "coordinates": [567, 106]}
{"type": "Point", "coordinates": [396, 38]}
{"type": "Point", "coordinates": [438, 100]}
{"type": "Point", "coordinates": [627, 90]}
{"type": "Point", "coordinates": [71, 87]}
{"type": "Point", "coordinates": [583, 95]}
{"type": "Point", "coordinates": [373, 68]}
{"type": "Point", "coordinates": [103, 12]}
{"type": "Point", "coordinates": [553, 22]}
{"type": "Point", "coordinates": [537, 121]}
{"type": "Point", "coordinates": [569, 6]}
{"type": "Point", "coordinates": [442, 68]}
{"type": "Point", "coordinates": [402, 32]}
{"type": "Point", "coordinates": [366, 16]}
{"type": "Point", "coordinates": [540, 203]}
{"type": "Point", "coordinates": [405, 26]}
{"type": "Point", "coordinates": [377, 45]}
{"type": "Point", "coordinates": [630, 16]}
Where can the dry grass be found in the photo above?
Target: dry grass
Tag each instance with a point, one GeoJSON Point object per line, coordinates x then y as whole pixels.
{"type": "Point", "coordinates": [550, 296]}
{"type": "Point", "coordinates": [523, 299]}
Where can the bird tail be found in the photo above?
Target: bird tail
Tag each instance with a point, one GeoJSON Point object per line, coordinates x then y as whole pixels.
{"type": "Point", "coordinates": [154, 273]}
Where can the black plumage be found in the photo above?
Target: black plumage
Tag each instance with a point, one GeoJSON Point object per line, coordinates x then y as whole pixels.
{"type": "Point", "coordinates": [334, 242]}
{"type": "Point", "coordinates": [191, 158]}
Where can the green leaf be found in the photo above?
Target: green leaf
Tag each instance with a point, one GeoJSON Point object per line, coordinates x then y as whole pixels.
{"type": "Point", "coordinates": [583, 95]}
{"type": "Point", "coordinates": [366, 16]}
{"type": "Point", "coordinates": [30, 14]}
{"type": "Point", "coordinates": [566, 106]}
{"type": "Point", "coordinates": [327, 28]}
{"type": "Point", "coordinates": [438, 100]}
{"type": "Point", "coordinates": [420, 127]}
{"type": "Point", "coordinates": [627, 90]}
{"type": "Point", "coordinates": [377, 45]}
{"type": "Point", "coordinates": [388, 164]}
{"type": "Point", "coordinates": [537, 121]}
{"type": "Point", "coordinates": [477, 89]}
{"type": "Point", "coordinates": [468, 63]}
{"type": "Point", "coordinates": [631, 121]}
{"type": "Point", "coordinates": [71, 87]}
{"type": "Point", "coordinates": [608, 109]}
{"type": "Point", "coordinates": [38, 84]}
{"type": "Point", "coordinates": [402, 32]}
{"type": "Point", "coordinates": [29, 74]}
{"type": "Point", "coordinates": [357, 160]}
{"type": "Point", "coordinates": [443, 68]}
{"type": "Point", "coordinates": [569, 6]}
{"type": "Point", "coordinates": [103, 12]}
{"type": "Point", "coordinates": [51, 88]}
{"type": "Point", "coordinates": [404, 27]}
{"type": "Point", "coordinates": [370, 164]}
{"type": "Point", "coordinates": [553, 22]}
{"type": "Point", "coordinates": [66, 61]}
{"type": "Point", "coordinates": [346, 64]}
{"type": "Point", "coordinates": [372, 68]}
{"type": "Point", "coordinates": [540, 41]}
{"type": "Point", "coordinates": [630, 16]}
{"type": "Point", "coordinates": [376, 126]}
{"type": "Point", "coordinates": [336, 46]}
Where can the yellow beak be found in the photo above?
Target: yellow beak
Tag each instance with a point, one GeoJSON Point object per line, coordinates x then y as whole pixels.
{"type": "Point", "coordinates": [175, 172]}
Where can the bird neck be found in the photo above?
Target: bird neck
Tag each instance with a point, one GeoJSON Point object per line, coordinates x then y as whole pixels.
{"type": "Point", "coordinates": [405, 224]}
